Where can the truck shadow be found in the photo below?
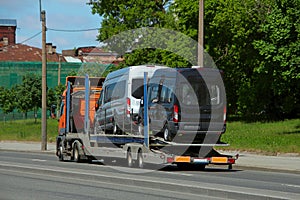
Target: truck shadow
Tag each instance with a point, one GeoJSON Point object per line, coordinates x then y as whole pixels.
{"type": "Point", "coordinates": [200, 169]}
{"type": "Point", "coordinates": [168, 168]}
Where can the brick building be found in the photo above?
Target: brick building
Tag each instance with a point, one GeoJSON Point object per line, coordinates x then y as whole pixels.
{"type": "Point", "coordinates": [8, 31]}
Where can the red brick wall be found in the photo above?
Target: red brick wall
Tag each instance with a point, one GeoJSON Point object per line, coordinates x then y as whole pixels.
{"type": "Point", "coordinates": [9, 32]}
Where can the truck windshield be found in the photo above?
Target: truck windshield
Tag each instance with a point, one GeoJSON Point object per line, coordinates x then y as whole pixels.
{"type": "Point", "coordinates": [61, 111]}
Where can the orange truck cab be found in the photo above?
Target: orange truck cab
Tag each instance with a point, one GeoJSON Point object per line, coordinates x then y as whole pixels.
{"type": "Point", "coordinates": [77, 103]}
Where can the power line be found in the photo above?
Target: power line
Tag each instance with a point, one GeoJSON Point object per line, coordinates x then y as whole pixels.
{"type": "Point", "coordinates": [31, 37]}
{"type": "Point", "coordinates": [72, 30]}
{"type": "Point", "coordinates": [23, 40]}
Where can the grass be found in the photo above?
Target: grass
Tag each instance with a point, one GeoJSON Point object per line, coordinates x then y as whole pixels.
{"type": "Point", "coordinates": [27, 130]}
{"type": "Point", "coordinates": [267, 138]}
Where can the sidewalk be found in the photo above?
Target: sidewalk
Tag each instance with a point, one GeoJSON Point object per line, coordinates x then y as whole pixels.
{"type": "Point", "coordinates": [26, 146]}
{"type": "Point", "coordinates": [286, 162]}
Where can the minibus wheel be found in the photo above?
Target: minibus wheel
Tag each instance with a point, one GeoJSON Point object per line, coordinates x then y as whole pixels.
{"type": "Point", "coordinates": [167, 133]}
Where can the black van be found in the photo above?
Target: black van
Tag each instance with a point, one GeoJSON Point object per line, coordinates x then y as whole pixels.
{"type": "Point", "coordinates": [186, 104]}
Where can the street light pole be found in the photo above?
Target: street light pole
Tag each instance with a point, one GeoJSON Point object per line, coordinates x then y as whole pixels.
{"type": "Point", "coordinates": [44, 83]}
{"type": "Point", "coordinates": [201, 34]}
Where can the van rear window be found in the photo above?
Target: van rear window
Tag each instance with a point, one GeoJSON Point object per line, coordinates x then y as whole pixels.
{"type": "Point", "coordinates": [137, 88]}
{"type": "Point", "coordinates": [198, 92]}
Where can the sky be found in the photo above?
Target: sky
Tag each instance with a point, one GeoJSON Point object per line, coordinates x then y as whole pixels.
{"type": "Point", "coordinates": [60, 15]}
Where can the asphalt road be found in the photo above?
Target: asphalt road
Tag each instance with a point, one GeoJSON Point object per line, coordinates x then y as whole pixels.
{"type": "Point", "coordinates": [41, 176]}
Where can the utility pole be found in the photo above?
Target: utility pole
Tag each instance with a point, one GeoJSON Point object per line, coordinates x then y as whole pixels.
{"type": "Point", "coordinates": [59, 69]}
{"type": "Point", "coordinates": [201, 34]}
{"type": "Point", "coordinates": [44, 83]}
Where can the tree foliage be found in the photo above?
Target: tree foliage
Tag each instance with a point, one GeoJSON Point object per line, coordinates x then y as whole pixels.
{"type": "Point", "coordinates": [256, 44]}
{"type": "Point", "coordinates": [29, 93]}
{"type": "Point", "coordinates": [126, 19]}
{"type": "Point", "coordinates": [279, 49]}
{"type": "Point", "coordinates": [27, 96]}
{"type": "Point", "coordinates": [7, 100]}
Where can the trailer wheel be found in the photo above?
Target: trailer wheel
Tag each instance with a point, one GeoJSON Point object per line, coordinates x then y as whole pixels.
{"type": "Point", "coordinates": [167, 133]}
{"type": "Point", "coordinates": [76, 156]}
{"type": "Point", "coordinates": [60, 152]}
{"type": "Point", "coordinates": [115, 128]}
{"type": "Point", "coordinates": [140, 160]}
{"type": "Point", "coordinates": [129, 158]}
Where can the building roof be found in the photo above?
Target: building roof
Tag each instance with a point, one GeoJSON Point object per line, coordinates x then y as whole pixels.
{"type": "Point", "coordinates": [8, 22]}
{"type": "Point", "coordinates": [21, 52]}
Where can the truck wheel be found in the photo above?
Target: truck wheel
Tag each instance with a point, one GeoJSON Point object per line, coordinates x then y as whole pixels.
{"type": "Point", "coordinates": [60, 152]}
{"type": "Point", "coordinates": [167, 133]}
{"type": "Point", "coordinates": [141, 129]}
{"type": "Point", "coordinates": [140, 160]}
{"type": "Point", "coordinates": [129, 158]}
{"type": "Point", "coordinates": [76, 156]}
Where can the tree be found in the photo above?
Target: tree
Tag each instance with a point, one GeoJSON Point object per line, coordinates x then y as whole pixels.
{"type": "Point", "coordinates": [255, 43]}
{"type": "Point", "coordinates": [7, 100]}
{"type": "Point", "coordinates": [123, 15]}
{"type": "Point", "coordinates": [122, 31]}
{"type": "Point", "coordinates": [54, 96]}
{"type": "Point", "coordinates": [29, 94]}
{"type": "Point", "coordinates": [279, 49]}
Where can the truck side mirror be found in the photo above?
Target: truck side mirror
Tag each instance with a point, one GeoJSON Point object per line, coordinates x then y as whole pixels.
{"type": "Point", "coordinates": [96, 106]}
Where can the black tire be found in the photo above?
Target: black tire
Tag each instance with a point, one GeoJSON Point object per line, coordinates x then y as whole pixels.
{"type": "Point", "coordinates": [140, 159]}
{"type": "Point", "coordinates": [115, 128]}
{"type": "Point", "coordinates": [167, 133]}
{"type": "Point", "coordinates": [129, 158]}
{"type": "Point", "coordinates": [60, 152]}
{"type": "Point", "coordinates": [76, 155]}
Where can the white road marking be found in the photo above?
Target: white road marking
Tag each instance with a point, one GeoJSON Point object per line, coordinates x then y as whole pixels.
{"type": "Point", "coordinates": [290, 185]}
{"type": "Point", "coordinates": [38, 160]}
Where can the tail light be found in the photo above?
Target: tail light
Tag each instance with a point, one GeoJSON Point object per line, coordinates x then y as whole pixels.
{"type": "Point", "coordinates": [175, 114]}
{"type": "Point", "coordinates": [128, 108]}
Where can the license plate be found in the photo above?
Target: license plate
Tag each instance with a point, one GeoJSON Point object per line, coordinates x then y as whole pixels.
{"type": "Point", "coordinates": [219, 160]}
{"type": "Point", "coordinates": [200, 161]}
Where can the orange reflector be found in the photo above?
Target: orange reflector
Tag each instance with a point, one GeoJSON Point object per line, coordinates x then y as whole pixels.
{"type": "Point", "coordinates": [183, 159]}
{"type": "Point", "coordinates": [219, 160]}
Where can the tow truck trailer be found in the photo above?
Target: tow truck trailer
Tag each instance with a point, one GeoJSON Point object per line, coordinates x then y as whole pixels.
{"type": "Point", "coordinates": [137, 150]}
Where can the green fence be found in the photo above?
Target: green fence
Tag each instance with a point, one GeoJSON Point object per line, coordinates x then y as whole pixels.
{"type": "Point", "coordinates": [11, 73]}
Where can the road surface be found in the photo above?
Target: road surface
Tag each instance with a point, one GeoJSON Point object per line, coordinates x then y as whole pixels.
{"type": "Point", "coordinates": [41, 176]}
